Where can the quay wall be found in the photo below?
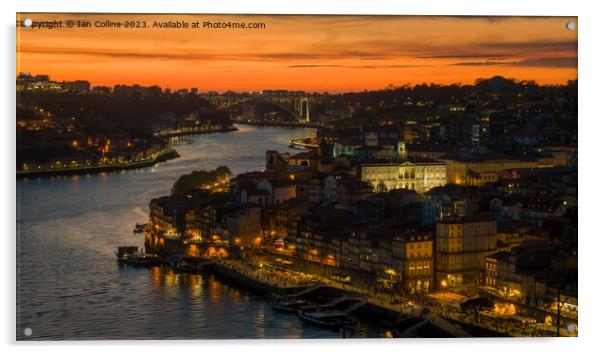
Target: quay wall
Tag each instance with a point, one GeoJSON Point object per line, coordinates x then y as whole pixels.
{"type": "Point", "coordinates": [368, 310]}
{"type": "Point", "coordinates": [196, 132]}
{"type": "Point", "coordinates": [252, 283]}
{"type": "Point", "coordinates": [167, 155]}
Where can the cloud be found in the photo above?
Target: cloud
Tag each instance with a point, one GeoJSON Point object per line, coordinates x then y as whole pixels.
{"type": "Point", "coordinates": [560, 62]}
{"type": "Point", "coordinates": [494, 51]}
{"type": "Point", "coordinates": [386, 66]}
{"type": "Point", "coordinates": [540, 53]}
{"type": "Point", "coordinates": [502, 18]}
{"type": "Point", "coordinates": [564, 62]}
{"type": "Point", "coordinates": [314, 66]}
{"type": "Point", "coordinates": [356, 66]}
{"type": "Point", "coordinates": [538, 45]}
{"type": "Point", "coordinates": [205, 55]}
{"type": "Point", "coordinates": [466, 56]}
{"type": "Point", "coordinates": [482, 63]}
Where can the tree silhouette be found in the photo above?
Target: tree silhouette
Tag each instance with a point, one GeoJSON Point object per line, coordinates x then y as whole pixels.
{"type": "Point", "coordinates": [381, 187]}
{"type": "Point", "coordinates": [476, 305]}
{"type": "Point", "coordinates": [196, 179]}
{"type": "Point", "coordinates": [473, 177]}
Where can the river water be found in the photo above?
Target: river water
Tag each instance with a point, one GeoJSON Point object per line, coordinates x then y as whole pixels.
{"type": "Point", "coordinates": [69, 285]}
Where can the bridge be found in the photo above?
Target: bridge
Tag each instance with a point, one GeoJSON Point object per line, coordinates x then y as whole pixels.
{"type": "Point", "coordinates": [298, 106]}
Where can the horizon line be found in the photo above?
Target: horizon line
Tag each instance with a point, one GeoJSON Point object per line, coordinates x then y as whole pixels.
{"type": "Point", "coordinates": [390, 86]}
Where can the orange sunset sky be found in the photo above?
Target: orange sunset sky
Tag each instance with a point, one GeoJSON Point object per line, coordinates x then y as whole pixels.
{"type": "Point", "coordinates": [312, 53]}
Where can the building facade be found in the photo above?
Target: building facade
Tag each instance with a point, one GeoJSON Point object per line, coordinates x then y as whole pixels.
{"type": "Point", "coordinates": [483, 169]}
{"type": "Point", "coordinates": [463, 244]}
{"type": "Point", "coordinates": [417, 176]}
{"type": "Point", "coordinates": [413, 261]}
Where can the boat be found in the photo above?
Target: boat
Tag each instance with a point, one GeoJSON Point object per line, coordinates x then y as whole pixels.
{"type": "Point", "coordinates": [139, 228]}
{"type": "Point", "coordinates": [332, 319]}
{"type": "Point", "coordinates": [182, 265]}
{"type": "Point", "coordinates": [292, 306]}
{"type": "Point", "coordinates": [131, 255]}
{"type": "Point", "coordinates": [125, 250]}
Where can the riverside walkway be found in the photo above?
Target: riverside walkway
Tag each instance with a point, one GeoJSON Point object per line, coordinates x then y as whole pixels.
{"type": "Point", "coordinates": [287, 279]}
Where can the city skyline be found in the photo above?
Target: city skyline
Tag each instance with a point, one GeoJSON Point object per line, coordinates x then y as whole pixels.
{"type": "Point", "coordinates": [334, 194]}
{"type": "Point", "coordinates": [318, 53]}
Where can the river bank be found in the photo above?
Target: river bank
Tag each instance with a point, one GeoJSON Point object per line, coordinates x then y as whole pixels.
{"type": "Point", "coordinates": [245, 276]}
{"type": "Point", "coordinates": [292, 125]}
{"type": "Point", "coordinates": [194, 131]}
{"type": "Point", "coordinates": [161, 156]}
{"type": "Point", "coordinates": [165, 155]}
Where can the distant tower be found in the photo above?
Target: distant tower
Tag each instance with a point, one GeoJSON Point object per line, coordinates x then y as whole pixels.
{"type": "Point", "coordinates": [271, 159]}
{"type": "Point", "coordinates": [274, 162]}
{"type": "Point", "coordinates": [401, 150]}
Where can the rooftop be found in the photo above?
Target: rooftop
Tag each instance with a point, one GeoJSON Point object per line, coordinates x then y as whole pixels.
{"type": "Point", "coordinates": [466, 219]}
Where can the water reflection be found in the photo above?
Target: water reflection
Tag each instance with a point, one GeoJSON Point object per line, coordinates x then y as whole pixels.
{"type": "Point", "coordinates": [259, 321]}
{"type": "Point", "coordinates": [167, 280]}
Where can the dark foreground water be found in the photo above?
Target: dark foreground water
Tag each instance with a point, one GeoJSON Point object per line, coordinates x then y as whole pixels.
{"type": "Point", "coordinates": [69, 285]}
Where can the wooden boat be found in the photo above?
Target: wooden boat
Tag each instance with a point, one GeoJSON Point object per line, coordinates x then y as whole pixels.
{"type": "Point", "coordinates": [139, 228]}
{"type": "Point", "coordinates": [125, 250]}
{"type": "Point", "coordinates": [131, 255]}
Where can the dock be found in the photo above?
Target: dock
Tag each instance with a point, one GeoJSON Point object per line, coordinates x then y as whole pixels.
{"type": "Point", "coordinates": [370, 304]}
{"type": "Point", "coordinates": [249, 277]}
{"type": "Point", "coordinates": [265, 281]}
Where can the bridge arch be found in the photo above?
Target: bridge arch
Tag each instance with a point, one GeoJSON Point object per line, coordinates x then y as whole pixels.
{"type": "Point", "coordinates": [297, 107]}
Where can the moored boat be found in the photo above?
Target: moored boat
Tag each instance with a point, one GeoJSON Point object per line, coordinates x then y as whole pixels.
{"type": "Point", "coordinates": [139, 228]}
{"type": "Point", "coordinates": [125, 250]}
{"type": "Point", "coordinates": [292, 305]}
{"type": "Point", "coordinates": [131, 255]}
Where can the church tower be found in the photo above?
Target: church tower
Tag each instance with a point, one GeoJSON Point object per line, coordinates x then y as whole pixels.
{"type": "Point", "coordinates": [402, 153]}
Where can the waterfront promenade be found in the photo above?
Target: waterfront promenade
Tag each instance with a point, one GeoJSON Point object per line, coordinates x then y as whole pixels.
{"type": "Point", "coordinates": [269, 275]}
{"type": "Point", "coordinates": [163, 155]}
{"type": "Point", "coordinates": [160, 156]}
{"type": "Point", "coordinates": [404, 308]}
{"type": "Point", "coordinates": [441, 309]}
{"type": "Point", "coordinates": [284, 280]}
{"type": "Point", "coordinates": [171, 133]}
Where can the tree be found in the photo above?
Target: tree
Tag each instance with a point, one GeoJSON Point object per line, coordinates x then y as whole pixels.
{"type": "Point", "coordinates": [199, 180]}
{"type": "Point", "coordinates": [473, 177]}
{"type": "Point", "coordinates": [381, 187]}
{"type": "Point", "coordinates": [476, 305]}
